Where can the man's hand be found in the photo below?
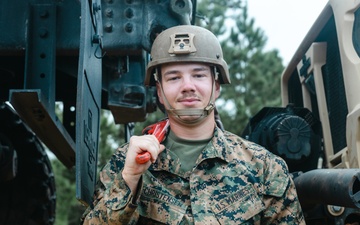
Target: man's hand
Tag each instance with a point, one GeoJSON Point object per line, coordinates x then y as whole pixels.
{"type": "Point", "coordinates": [138, 144]}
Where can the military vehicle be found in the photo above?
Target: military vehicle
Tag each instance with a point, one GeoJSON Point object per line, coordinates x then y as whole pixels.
{"type": "Point", "coordinates": [91, 55]}
{"type": "Point", "coordinates": [317, 131]}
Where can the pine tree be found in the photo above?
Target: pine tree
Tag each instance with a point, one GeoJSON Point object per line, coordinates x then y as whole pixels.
{"type": "Point", "coordinates": [255, 73]}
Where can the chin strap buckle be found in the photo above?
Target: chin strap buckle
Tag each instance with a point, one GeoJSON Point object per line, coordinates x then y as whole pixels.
{"type": "Point", "coordinates": [208, 109]}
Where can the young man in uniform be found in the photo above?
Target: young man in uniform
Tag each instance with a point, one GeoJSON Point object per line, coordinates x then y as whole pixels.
{"type": "Point", "coordinates": [200, 173]}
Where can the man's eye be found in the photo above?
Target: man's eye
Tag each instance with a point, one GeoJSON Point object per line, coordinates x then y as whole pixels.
{"type": "Point", "coordinates": [172, 78]}
{"type": "Point", "coordinates": [199, 75]}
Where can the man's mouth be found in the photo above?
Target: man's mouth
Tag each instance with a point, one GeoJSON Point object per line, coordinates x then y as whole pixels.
{"type": "Point", "coordinates": [189, 101]}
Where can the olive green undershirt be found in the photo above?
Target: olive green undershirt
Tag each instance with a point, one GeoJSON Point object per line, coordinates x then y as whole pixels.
{"type": "Point", "coordinates": [187, 151]}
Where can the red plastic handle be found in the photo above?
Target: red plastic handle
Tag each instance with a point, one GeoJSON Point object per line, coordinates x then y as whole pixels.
{"type": "Point", "coordinates": [143, 157]}
{"type": "Point", "coordinates": [159, 131]}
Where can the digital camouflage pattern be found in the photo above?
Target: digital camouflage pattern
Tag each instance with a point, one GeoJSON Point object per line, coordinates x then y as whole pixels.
{"type": "Point", "coordinates": [234, 182]}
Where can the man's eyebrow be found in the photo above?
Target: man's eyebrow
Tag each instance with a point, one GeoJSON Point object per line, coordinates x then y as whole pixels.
{"type": "Point", "coordinates": [202, 68]}
{"type": "Point", "coordinates": [171, 72]}
{"type": "Point", "coordinates": [196, 69]}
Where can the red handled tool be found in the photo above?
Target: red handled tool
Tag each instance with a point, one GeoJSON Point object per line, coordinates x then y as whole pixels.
{"type": "Point", "coordinates": [159, 130]}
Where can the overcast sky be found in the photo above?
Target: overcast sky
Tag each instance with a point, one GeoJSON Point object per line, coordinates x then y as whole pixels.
{"type": "Point", "coordinates": [285, 22]}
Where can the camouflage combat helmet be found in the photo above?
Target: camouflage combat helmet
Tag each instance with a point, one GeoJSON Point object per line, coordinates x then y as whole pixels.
{"type": "Point", "coordinates": [187, 43]}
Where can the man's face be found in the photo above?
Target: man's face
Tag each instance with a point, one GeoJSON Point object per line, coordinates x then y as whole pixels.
{"type": "Point", "coordinates": [187, 85]}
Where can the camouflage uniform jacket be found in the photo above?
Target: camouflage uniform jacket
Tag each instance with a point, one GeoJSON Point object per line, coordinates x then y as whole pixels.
{"type": "Point", "coordinates": [234, 182]}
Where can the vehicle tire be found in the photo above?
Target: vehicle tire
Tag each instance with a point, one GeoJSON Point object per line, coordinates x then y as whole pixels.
{"type": "Point", "coordinates": [27, 197]}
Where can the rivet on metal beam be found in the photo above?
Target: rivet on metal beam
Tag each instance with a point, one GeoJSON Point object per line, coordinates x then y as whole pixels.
{"type": "Point", "coordinates": [43, 32]}
{"type": "Point", "coordinates": [44, 14]}
{"type": "Point", "coordinates": [108, 27]}
{"type": "Point", "coordinates": [129, 13]}
{"type": "Point", "coordinates": [109, 13]}
{"type": "Point", "coordinates": [129, 27]}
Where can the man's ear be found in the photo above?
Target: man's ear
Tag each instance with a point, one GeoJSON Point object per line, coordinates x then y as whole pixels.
{"type": "Point", "coordinates": [217, 89]}
{"type": "Point", "coordinates": [159, 93]}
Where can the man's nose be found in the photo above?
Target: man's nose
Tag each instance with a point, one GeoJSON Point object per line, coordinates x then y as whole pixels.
{"type": "Point", "coordinates": [188, 83]}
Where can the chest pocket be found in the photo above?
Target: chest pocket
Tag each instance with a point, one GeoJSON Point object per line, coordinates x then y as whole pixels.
{"type": "Point", "coordinates": [239, 206]}
{"type": "Point", "coordinates": [161, 207]}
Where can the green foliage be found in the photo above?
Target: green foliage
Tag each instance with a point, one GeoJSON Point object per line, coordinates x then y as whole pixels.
{"type": "Point", "coordinates": [65, 193]}
{"type": "Point", "coordinates": [111, 136]}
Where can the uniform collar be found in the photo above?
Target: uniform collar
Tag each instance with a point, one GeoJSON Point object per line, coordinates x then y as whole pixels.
{"type": "Point", "coordinates": [216, 148]}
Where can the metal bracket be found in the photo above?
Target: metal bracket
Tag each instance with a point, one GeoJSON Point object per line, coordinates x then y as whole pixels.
{"type": "Point", "coordinates": [31, 109]}
{"type": "Point", "coordinates": [41, 53]}
{"type": "Point", "coordinates": [128, 99]}
{"type": "Point", "coordinates": [36, 102]}
{"type": "Point", "coordinates": [88, 100]}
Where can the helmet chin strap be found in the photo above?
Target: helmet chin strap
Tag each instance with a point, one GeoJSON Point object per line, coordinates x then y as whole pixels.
{"type": "Point", "coordinates": [200, 114]}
